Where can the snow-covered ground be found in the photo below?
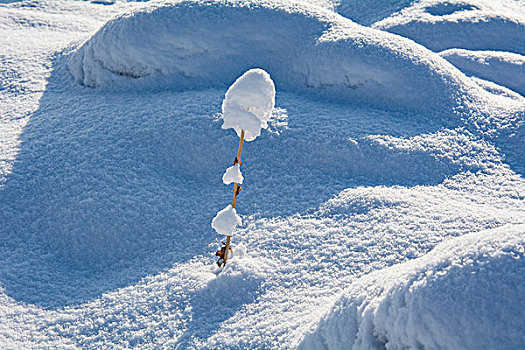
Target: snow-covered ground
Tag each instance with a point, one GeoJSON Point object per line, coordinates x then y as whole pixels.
{"type": "Point", "coordinates": [474, 277]}
{"type": "Point", "coordinates": [465, 24]}
{"type": "Point", "coordinates": [504, 68]}
{"type": "Point", "coordinates": [382, 208]}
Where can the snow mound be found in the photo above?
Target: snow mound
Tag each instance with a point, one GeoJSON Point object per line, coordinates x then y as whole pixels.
{"type": "Point", "coordinates": [226, 221]}
{"type": "Point", "coordinates": [497, 89]}
{"type": "Point", "coordinates": [249, 103]}
{"type": "Point", "coordinates": [446, 24]}
{"type": "Point", "coordinates": [370, 11]}
{"type": "Point", "coordinates": [198, 44]}
{"type": "Point", "coordinates": [503, 68]}
{"type": "Point", "coordinates": [233, 174]}
{"type": "Point", "coordinates": [467, 293]}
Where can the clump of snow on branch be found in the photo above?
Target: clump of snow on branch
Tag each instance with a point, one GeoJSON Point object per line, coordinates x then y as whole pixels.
{"type": "Point", "coordinates": [248, 103]}
{"type": "Point", "coordinates": [233, 174]}
{"type": "Point", "coordinates": [226, 221]}
{"type": "Point", "coordinates": [247, 106]}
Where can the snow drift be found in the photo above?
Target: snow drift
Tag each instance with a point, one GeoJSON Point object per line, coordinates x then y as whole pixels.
{"type": "Point", "coordinates": [370, 11]}
{"type": "Point", "coordinates": [467, 293]}
{"type": "Point", "coordinates": [445, 24]}
{"type": "Point", "coordinates": [196, 44]}
{"type": "Point", "coordinates": [105, 214]}
{"type": "Point", "coordinates": [504, 68]}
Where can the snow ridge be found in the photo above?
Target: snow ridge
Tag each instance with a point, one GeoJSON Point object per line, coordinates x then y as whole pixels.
{"type": "Point", "coordinates": [504, 68]}
{"type": "Point", "coordinates": [464, 294]}
{"type": "Point", "coordinates": [446, 24]}
{"type": "Point", "coordinates": [196, 44]}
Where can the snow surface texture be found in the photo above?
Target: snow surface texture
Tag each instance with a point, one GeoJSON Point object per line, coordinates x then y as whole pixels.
{"type": "Point", "coordinates": [447, 24]}
{"type": "Point", "coordinates": [249, 103]}
{"type": "Point", "coordinates": [504, 68]}
{"type": "Point", "coordinates": [316, 51]}
{"type": "Point", "coordinates": [233, 174]}
{"type": "Point", "coordinates": [467, 293]}
{"type": "Point", "coordinates": [370, 11]}
{"type": "Point", "coordinates": [378, 150]}
{"type": "Point", "coordinates": [226, 221]}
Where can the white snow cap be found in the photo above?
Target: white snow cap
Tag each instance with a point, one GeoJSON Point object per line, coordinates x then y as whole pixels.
{"type": "Point", "coordinates": [248, 103]}
{"type": "Point", "coordinates": [233, 174]}
{"type": "Point", "coordinates": [226, 221]}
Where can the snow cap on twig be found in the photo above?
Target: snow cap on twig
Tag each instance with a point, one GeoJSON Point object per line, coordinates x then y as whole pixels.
{"type": "Point", "coordinates": [233, 174]}
{"type": "Point", "coordinates": [248, 103]}
{"type": "Point", "coordinates": [226, 221]}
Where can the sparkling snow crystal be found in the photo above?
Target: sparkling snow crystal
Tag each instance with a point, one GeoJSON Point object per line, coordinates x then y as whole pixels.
{"type": "Point", "coordinates": [248, 103]}
{"type": "Point", "coordinates": [226, 221]}
{"type": "Point", "coordinates": [233, 174]}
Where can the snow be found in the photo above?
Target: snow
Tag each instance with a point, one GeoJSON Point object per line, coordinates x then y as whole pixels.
{"type": "Point", "coordinates": [371, 11]}
{"type": "Point", "coordinates": [248, 104]}
{"type": "Point", "coordinates": [233, 174]}
{"type": "Point", "coordinates": [381, 159]}
{"type": "Point", "coordinates": [498, 25]}
{"type": "Point", "coordinates": [466, 293]}
{"type": "Point", "coordinates": [497, 89]}
{"type": "Point", "coordinates": [504, 68]}
{"type": "Point", "coordinates": [226, 221]}
{"type": "Point", "coordinates": [240, 252]}
{"type": "Point", "coordinates": [304, 48]}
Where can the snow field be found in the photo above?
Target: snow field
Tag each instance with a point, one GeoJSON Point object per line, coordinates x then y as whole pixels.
{"type": "Point", "coordinates": [108, 192]}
